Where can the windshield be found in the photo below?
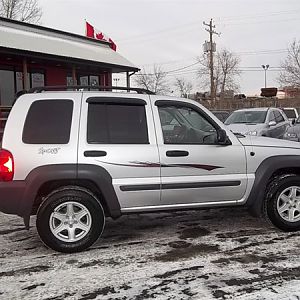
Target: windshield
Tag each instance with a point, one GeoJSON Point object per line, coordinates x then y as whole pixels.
{"type": "Point", "coordinates": [290, 113]}
{"type": "Point", "coordinates": [246, 117]}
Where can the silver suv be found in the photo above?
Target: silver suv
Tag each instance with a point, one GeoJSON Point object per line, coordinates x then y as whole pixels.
{"type": "Point", "coordinates": [74, 158]}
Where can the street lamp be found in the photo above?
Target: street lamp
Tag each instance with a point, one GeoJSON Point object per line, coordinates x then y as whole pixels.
{"type": "Point", "coordinates": [265, 67]}
{"type": "Point", "coordinates": [116, 80]}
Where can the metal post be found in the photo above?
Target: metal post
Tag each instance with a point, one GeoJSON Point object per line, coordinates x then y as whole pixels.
{"type": "Point", "coordinates": [74, 75]}
{"type": "Point", "coordinates": [265, 67]}
{"type": "Point", "coordinates": [128, 81]}
{"type": "Point", "coordinates": [25, 75]}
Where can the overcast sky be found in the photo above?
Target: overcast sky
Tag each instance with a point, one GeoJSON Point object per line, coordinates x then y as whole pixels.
{"type": "Point", "coordinates": [171, 32]}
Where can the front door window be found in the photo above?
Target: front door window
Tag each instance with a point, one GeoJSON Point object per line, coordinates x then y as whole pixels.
{"type": "Point", "coordinates": [183, 125]}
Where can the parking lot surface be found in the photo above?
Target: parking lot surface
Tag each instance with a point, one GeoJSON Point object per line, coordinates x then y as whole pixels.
{"type": "Point", "coordinates": [205, 254]}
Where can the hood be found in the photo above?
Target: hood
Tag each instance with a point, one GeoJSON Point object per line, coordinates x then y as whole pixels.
{"type": "Point", "coordinates": [243, 128]}
{"type": "Point", "coordinates": [261, 141]}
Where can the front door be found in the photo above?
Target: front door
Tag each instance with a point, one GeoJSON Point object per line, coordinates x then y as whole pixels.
{"type": "Point", "coordinates": [194, 168]}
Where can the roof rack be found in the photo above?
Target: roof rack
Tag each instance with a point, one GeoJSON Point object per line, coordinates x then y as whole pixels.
{"type": "Point", "coordinates": [89, 87]}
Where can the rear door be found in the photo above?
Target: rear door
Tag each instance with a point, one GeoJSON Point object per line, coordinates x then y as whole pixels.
{"type": "Point", "coordinates": [117, 134]}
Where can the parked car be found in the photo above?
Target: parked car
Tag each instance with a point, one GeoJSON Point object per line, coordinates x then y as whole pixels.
{"type": "Point", "coordinates": [222, 115]}
{"type": "Point", "coordinates": [74, 158]}
{"type": "Point", "coordinates": [291, 113]}
{"type": "Point", "coordinates": [293, 132]}
{"type": "Point", "coordinates": [269, 122]}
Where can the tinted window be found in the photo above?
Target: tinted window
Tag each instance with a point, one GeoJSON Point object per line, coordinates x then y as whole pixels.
{"type": "Point", "coordinates": [278, 116]}
{"type": "Point", "coordinates": [117, 124]}
{"type": "Point", "coordinates": [290, 113]}
{"type": "Point", "coordinates": [183, 125]}
{"type": "Point", "coordinates": [48, 122]}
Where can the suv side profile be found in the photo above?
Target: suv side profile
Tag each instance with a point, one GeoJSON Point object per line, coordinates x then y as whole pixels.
{"type": "Point", "coordinates": [74, 158]}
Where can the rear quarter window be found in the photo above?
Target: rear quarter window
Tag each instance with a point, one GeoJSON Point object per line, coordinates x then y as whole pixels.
{"type": "Point", "coordinates": [48, 122]}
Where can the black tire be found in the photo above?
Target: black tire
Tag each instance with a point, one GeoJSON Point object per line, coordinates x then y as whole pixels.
{"type": "Point", "coordinates": [59, 198]}
{"type": "Point", "coordinates": [275, 188]}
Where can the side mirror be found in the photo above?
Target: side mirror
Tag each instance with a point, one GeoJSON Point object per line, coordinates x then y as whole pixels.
{"type": "Point", "coordinates": [272, 123]}
{"type": "Point", "coordinates": [293, 121]}
{"type": "Point", "coordinates": [222, 137]}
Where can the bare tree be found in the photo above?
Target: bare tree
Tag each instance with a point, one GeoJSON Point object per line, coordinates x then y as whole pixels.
{"type": "Point", "coordinates": [21, 10]}
{"type": "Point", "coordinates": [290, 76]}
{"type": "Point", "coordinates": [154, 81]}
{"type": "Point", "coordinates": [226, 69]}
{"type": "Point", "coordinates": [183, 86]}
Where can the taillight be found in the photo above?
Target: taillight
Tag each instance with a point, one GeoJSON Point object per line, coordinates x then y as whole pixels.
{"type": "Point", "coordinates": [6, 165]}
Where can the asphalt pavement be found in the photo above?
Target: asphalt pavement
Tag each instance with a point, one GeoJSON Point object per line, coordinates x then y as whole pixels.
{"type": "Point", "coordinates": [204, 254]}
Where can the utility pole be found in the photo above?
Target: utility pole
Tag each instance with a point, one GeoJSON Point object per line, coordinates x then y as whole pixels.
{"type": "Point", "coordinates": [211, 48]}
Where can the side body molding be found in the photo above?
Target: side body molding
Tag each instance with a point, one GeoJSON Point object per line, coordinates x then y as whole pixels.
{"type": "Point", "coordinates": [262, 176]}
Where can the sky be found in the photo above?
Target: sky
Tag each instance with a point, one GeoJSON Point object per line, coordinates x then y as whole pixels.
{"type": "Point", "coordinates": [170, 33]}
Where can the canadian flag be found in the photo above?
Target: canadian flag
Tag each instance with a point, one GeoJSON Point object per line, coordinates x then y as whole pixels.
{"type": "Point", "coordinates": [94, 33]}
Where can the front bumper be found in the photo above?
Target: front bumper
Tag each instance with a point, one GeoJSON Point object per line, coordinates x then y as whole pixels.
{"type": "Point", "coordinates": [11, 196]}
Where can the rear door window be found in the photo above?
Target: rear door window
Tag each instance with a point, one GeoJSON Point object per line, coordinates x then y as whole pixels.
{"type": "Point", "coordinates": [115, 123]}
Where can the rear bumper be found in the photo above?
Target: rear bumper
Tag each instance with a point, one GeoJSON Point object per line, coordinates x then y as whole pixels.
{"type": "Point", "coordinates": [11, 196]}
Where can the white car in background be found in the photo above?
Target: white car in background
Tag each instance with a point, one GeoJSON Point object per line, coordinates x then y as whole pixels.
{"type": "Point", "coordinates": [263, 121]}
{"type": "Point", "coordinates": [291, 113]}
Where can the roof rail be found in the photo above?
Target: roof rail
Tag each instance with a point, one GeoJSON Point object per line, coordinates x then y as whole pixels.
{"type": "Point", "coordinates": [93, 87]}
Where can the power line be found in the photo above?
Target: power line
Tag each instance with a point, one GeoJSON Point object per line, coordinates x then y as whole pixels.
{"type": "Point", "coordinates": [197, 23]}
{"type": "Point", "coordinates": [170, 71]}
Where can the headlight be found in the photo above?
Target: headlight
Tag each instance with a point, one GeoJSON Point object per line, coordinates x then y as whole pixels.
{"type": "Point", "coordinates": [292, 135]}
{"type": "Point", "coordinates": [251, 133]}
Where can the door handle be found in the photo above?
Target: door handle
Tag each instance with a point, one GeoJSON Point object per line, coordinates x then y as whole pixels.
{"type": "Point", "coordinates": [177, 153]}
{"type": "Point", "coordinates": [94, 153]}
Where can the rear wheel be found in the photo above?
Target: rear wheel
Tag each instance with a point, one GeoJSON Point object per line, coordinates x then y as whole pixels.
{"type": "Point", "coordinates": [70, 219]}
{"type": "Point", "coordinates": [283, 202]}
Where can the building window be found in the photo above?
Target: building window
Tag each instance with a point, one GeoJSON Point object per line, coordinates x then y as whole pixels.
{"type": "Point", "coordinates": [94, 80]}
{"type": "Point", "coordinates": [83, 80]}
{"type": "Point", "coordinates": [7, 87]}
{"type": "Point", "coordinates": [37, 79]}
{"type": "Point", "coordinates": [11, 82]}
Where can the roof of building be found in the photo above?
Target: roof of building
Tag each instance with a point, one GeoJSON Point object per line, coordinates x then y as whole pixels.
{"type": "Point", "coordinates": [20, 36]}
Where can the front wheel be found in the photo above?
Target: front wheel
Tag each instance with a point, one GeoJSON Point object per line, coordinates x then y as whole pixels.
{"type": "Point", "coordinates": [283, 202]}
{"type": "Point", "coordinates": [70, 219]}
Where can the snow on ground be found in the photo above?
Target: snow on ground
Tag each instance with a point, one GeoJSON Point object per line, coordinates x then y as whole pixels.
{"type": "Point", "coordinates": [205, 254]}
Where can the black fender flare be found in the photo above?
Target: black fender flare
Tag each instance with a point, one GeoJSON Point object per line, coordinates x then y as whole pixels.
{"type": "Point", "coordinates": [40, 175]}
{"type": "Point", "coordinates": [263, 175]}
{"type": "Point", "coordinates": [103, 180]}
